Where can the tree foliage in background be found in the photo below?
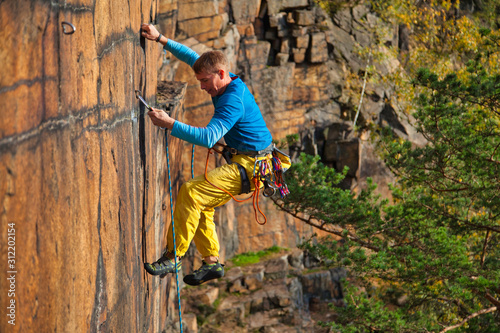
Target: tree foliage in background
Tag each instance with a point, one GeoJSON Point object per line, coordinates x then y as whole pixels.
{"type": "Point", "coordinates": [430, 260]}
{"type": "Point", "coordinates": [443, 36]}
{"type": "Point", "coordinates": [440, 35]}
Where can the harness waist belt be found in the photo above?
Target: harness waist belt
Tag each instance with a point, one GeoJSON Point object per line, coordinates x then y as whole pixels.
{"type": "Point", "coordinates": [251, 153]}
{"type": "Point", "coordinates": [228, 152]}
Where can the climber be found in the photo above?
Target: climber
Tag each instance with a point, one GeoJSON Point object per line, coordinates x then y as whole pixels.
{"type": "Point", "coordinates": [237, 119]}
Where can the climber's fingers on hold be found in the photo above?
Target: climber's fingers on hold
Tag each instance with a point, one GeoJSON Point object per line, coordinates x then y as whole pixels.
{"type": "Point", "coordinates": [149, 31]}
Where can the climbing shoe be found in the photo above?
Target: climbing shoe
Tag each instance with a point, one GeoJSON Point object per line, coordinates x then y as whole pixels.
{"type": "Point", "coordinates": [162, 266]}
{"type": "Point", "coordinates": [204, 273]}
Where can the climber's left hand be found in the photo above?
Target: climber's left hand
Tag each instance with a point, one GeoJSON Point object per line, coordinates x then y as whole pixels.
{"type": "Point", "coordinates": [149, 31]}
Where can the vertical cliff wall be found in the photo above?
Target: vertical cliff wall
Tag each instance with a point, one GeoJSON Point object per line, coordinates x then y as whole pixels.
{"type": "Point", "coordinates": [83, 188]}
{"type": "Point", "coordinates": [299, 62]}
{"type": "Point", "coordinates": [83, 182]}
{"type": "Point", "coordinates": [229, 26]}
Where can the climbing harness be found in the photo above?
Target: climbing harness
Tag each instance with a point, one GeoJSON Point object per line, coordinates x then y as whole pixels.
{"type": "Point", "coordinates": [268, 170]}
{"type": "Point", "coordinates": [173, 230]}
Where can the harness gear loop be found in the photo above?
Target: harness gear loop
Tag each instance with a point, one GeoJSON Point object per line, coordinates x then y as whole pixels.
{"type": "Point", "coordinates": [254, 195]}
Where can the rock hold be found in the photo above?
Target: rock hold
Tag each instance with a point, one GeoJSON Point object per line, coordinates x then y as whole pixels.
{"type": "Point", "coordinates": [275, 6]}
{"type": "Point", "coordinates": [318, 52]}
{"type": "Point", "coordinates": [304, 17]}
{"type": "Point", "coordinates": [276, 268]}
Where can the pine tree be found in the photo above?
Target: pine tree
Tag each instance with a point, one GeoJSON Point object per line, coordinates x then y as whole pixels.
{"type": "Point", "coordinates": [429, 261]}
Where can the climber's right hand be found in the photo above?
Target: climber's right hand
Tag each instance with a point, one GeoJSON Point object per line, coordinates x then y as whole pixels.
{"type": "Point", "coordinates": [161, 118]}
{"type": "Point", "coordinates": [149, 31]}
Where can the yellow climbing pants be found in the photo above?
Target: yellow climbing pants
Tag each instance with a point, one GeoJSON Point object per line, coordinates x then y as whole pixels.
{"type": "Point", "coordinates": [194, 208]}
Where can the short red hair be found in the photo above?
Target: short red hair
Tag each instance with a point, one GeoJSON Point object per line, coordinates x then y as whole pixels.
{"type": "Point", "coordinates": [210, 62]}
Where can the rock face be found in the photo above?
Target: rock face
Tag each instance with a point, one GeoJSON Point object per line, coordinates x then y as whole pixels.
{"type": "Point", "coordinates": [84, 185]}
{"type": "Point", "coordinates": [82, 169]}
{"type": "Point", "coordinates": [296, 60]}
{"type": "Point", "coordinates": [279, 294]}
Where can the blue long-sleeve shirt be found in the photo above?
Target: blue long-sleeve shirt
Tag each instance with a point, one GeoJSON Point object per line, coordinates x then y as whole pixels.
{"type": "Point", "coordinates": [237, 116]}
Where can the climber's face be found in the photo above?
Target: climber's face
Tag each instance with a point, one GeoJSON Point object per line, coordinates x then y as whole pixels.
{"type": "Point", "coordinates": [213, 83]}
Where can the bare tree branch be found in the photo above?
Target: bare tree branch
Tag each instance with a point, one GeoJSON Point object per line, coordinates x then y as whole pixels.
{"type": "Point", "coordinates": [493, 300]}
{"type": "Point", "coordinates": [484, 311]}
{"type": "Point", "coordinates": [325, 226]}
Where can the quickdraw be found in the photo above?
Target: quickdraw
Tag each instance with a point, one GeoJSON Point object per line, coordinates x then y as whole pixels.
{"type": "Point", "coordinates": [272, 180]}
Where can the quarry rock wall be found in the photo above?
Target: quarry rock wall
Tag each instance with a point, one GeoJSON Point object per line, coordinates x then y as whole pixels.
{"type": "Point", "coordinates": [83, 182]}
{"type": "Point", "coordinates": [84, 190]}
{"type": "Point", "coordinates": [298, 61]}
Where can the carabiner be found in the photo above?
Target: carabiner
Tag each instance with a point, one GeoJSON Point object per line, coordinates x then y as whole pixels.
{"type": "Point", "coordinates": [64, 24]}
{"type": "Point", "coordinates": [268, 190]}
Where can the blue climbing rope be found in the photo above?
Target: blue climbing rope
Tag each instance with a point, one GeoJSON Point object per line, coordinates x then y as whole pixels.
{"type": "Point", "coordinates": [173, 229]}
{"type": "Point", "coordinates": [192, 162]}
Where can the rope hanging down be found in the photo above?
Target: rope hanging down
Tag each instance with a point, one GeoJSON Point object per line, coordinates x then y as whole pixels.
{"type": "Point", "coordinates": [173, 229]}
{"type": "Point", "coordinates": [192, 162]}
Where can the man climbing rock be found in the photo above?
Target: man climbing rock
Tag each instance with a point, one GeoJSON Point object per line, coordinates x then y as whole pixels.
{"type": "Point", "coordinates": [237, 119]}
